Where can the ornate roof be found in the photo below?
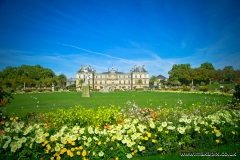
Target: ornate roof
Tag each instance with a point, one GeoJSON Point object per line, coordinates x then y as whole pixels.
{"type": "Point", "coordinates": [138, 69]}
{"type": "Point", "coordinates": [161, 77]}
{"type": "Point", "coordinates": [88, 68]}
{"type": "Point", "coordinates": [112, 71]}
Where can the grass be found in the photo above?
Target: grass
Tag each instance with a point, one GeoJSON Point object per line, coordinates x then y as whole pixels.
{"type": "Point", "coordinates": [48, 102]}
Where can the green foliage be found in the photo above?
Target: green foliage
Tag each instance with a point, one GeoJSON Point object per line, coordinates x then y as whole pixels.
{"type": "Point", "coordinates": [30, 75]}
{"type": "Point", "coordinates": [203, 88]}
{"type": "Point", "coordinates": [134, 134]}
{"type": "Point", "coordinates": [83, 117]}
{"type": "Point", "coordinates": [207, 65]}
{"type": "Point", "coordinates": [235, 102]}
{"type": "Point", "coordinates": [226, 89]}
{"type": "Point", "coordinates": [202, 84]}
{"type": "Point", "coordinates": [186, 88]}
{"type": "Point", "coordinates": [62, 80]}
{"type": "Point", "coordinates": [236, 93]}
{"type": "Point", "coordinates": [5, 96]}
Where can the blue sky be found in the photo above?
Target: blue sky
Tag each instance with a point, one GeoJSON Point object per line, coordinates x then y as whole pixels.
{"type": "Point", "coordinates": [63, 35]}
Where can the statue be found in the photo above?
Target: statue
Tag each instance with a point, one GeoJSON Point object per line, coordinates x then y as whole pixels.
{"type": "Point", "coordinates": [85, 86]}
{"type": "Point", "coordinates": [86, 76]}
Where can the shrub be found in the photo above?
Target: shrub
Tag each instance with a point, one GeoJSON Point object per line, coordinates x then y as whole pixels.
{"type": "Point", "coordinates": [187, 88]}
{"type": "Point", "coordinates": [5, 96]}
{"type": "Point", "coordinates": [203, 88]}
{"type": "Point", "coordinates": [28, 90]}
{"type": "Point", "coordinates": [236, 93]}
{"type": "Point", "coordinates": [226, 89]}
{"type": "Point", "coordinates": [73, 90]}
{"type": "Point", "coordinates": [94, 90]}
{"type": "Point", "coordinates": [139, 89]}
{"type": "Point", "coordinates": [48, 90]}
{"type": "Point", "coordinates": [202, 84]}
{"type": "Point", "coordinates": [174, 88]}
{"type": "Point", "coordinates": [165, 89]}
{"type": "Point", "coordinates": [40, 90]}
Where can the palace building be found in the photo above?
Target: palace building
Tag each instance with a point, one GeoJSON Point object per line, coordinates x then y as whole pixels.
{"type": "Point", "coordinates": [138, 77]}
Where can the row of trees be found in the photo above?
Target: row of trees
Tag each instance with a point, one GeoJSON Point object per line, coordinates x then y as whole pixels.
{"type": "Point", "coordinates": [184, 74]}
{"type": "Point", "coordinates": [30, 76]}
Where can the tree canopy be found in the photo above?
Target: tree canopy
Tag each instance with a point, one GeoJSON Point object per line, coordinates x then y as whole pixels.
{"type": "Point", "coordinates": [205, 73]}
{"type": "Point", "coordinates": [32, 76]}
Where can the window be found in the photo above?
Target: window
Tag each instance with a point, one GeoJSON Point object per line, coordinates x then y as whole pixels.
{"type": "Point", "coordinates": [100, 82]}
{"type": "Point", "coordinates": [119, 82]}
{"type": "Point", "coordinates": [123, 82]}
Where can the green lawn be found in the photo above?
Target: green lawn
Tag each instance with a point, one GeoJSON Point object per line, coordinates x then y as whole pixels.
{"type": "Point", "coordinates": [47, 102]}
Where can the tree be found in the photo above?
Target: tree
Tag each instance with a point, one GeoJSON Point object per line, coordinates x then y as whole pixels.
{"type": "Point", "coordinates": [153, 79]}
{"type": "Point", "coordinates": [5, 97]}
{"type": "Point", "coordinates": [28, 75]}
{"type": "Point", "coordinates": [180, 72]}
{"type": "Point", "coordinates": [207, 65]}
{"type": "Point", "coordinates": [81, 81]}
{"type": "Point", "coordinates": [139, 82]}
{"type": "Point", "coordinates": [228, 68]}
{"type": "Point", "coordinates": [62, 80]}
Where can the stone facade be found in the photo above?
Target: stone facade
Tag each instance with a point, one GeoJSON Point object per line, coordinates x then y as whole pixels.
{"type": "Point", "coordinates": [138, 77]}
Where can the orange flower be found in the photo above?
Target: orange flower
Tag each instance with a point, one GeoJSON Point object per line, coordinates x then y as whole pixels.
{"type": "Point", "coordinates": [1, 131]}
{"type": "Point", "coordinates": [107, 126]}
{"type": "Point", "coordinates": [119, 122]}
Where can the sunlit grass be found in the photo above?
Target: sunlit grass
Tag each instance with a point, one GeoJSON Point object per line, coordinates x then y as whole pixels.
{"type": "Point", "coordinates": [48, 102]}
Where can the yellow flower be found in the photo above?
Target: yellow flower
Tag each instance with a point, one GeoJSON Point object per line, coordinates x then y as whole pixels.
{"type": "Point", "coordinates": [116, 158]}
{"type": "Point", "coordinates": [217, 141]}
{"type": "Point", "coordinates": [11, 118]}
{"type": "Point", "coordinates": [72, 149]}
{"type": "Point", "coordinates": [58, 158]}
{"type": "Point", "coordinates": [16, 118]}
{"type": "Point", "coordinates": [159, 149]}
{"type": "Point", "coordinates": [46, 134]}
{"type": "Point", "coordinates": [65, 142]}
{"type": "Point", "coordinates": [105, 143]}
{"type": "Point", "coordinates": [111, 148]}
{"type": "Point", "coordinates": [149, 135]}
{"type": "Point", "coordinates": [84, 153]}
{"type": "Point", "coordinates": [133, 153]}
{"type": "Point", "coordinates": [154, 141]}
{"type": "Point", "coordinates": [48, 147]}
{"type": "Point", "coordinates": [99, 142]}
{"type": "Point", "coordinates": [52, 158]}
{"type": "Point", "coordinates": [167, 131]}
{"type": "Point", "coordinates": [78, 152]}
{"type": "Point", "coordinates": [145, 138]}
{"type": "Point", "coordinates": [63, 150]}
{"type": "Point", "coordinates": [45, 124]}
{"type": "Point", "coordinates": [73, 143]}
{"type": "Point", "coordinates": [70, 141]}
{"type": "Point", "coordinates": [80, 147]}
{"type": "Point", "coordinates": [233, 132]}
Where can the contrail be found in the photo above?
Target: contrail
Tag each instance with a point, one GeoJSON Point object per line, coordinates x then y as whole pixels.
{"type": "Point", "coordinates": [89, 51]}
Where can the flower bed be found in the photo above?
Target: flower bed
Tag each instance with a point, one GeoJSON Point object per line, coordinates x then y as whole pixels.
{"type": "Point", "coordinates": [114, 133]}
